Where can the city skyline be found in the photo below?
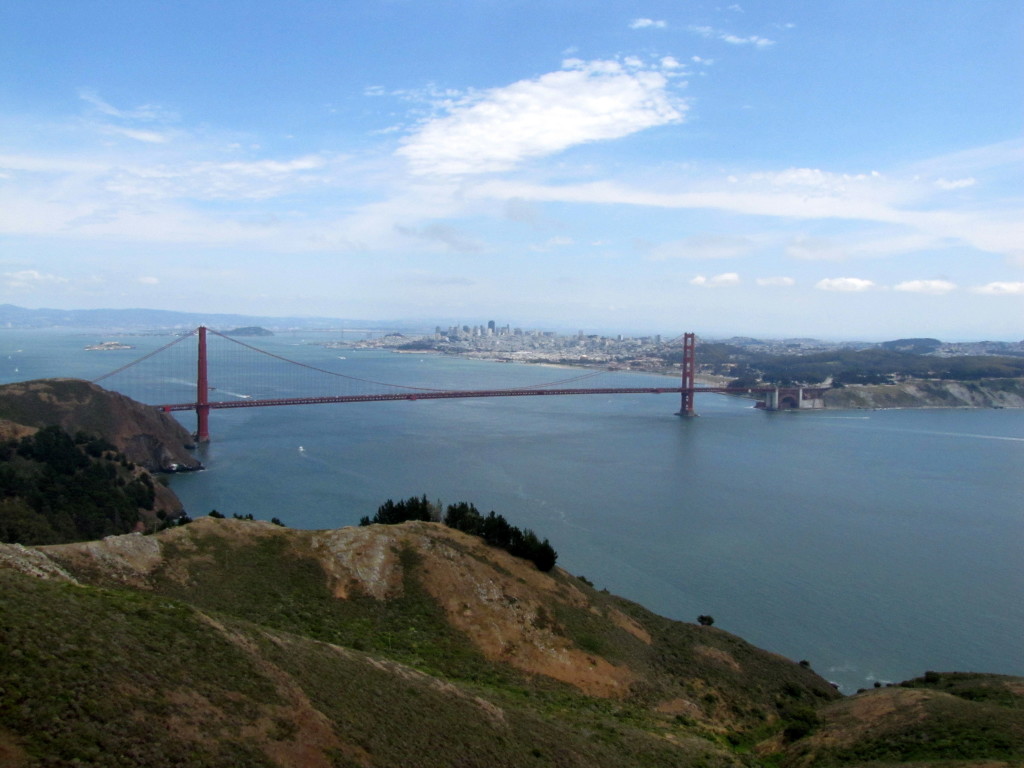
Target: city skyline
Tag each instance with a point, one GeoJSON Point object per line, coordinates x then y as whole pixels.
{"type": "Point", "coordinates": [826, 170]}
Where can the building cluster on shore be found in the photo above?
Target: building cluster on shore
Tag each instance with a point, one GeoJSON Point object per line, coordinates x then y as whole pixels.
{"type": "Point", "coordinates": [653, 353]}
{"type": "Point", "coordinates": [493, 342]}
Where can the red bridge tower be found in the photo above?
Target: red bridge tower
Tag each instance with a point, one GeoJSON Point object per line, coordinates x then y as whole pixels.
{"type": "Point", "coordinates": [202, 392]}
{"type": "Point", "coordinates": [689, 366]}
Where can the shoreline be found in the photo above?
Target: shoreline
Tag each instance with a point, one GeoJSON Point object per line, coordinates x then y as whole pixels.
{"type": "Point", "coordinates": [942, 394]}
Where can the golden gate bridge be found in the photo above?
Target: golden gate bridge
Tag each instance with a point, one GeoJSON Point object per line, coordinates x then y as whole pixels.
{"type": "Point", "coordinates": [234, 363]}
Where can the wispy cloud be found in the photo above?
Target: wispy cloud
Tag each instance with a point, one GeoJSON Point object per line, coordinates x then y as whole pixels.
{"type": "Point", "coordinates": [1000, 289]}
{"type": "Point", "coordinates": [704, 247]}
{"type": "Point", "coordinates": [845, 284]}
{"type": "Point", "coordinates": [498, 129]}
{"type": "Point", "coordinates": [933, 287]}
{"type": "Point", "coordinates": [955, 183]}
{"type": "Point", "coordinates": [776, 282]}
{"type": "Point", "coordinates": [727, 37]}
{"type": "Point", "coordinates": [145, 113]}
{"type": "Point", "coordinates": [647, 24]}
{"type": "Point", "coordinates": [28, 279]}
{"type": "Point", "coordinates": [149, 137]}
{"type": "Point", "coordinates": [443, 234]}
{"type": "Point", "coordinates": [724, 280]}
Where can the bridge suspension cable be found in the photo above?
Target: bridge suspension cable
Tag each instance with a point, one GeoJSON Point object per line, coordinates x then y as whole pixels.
{"type": "Point", "coordinates": [250, 385]}
{"type": "Point", "coordinates": [380, 383]}
{"type": "Point", "coordinates": [145, 357]}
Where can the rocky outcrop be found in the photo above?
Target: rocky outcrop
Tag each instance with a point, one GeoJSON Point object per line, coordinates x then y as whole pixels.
{"type": "Point", "coordinates": [145, 435]}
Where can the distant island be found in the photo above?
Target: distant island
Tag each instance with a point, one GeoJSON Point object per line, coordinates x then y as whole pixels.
{"type": "Point", "coordinates": [249, 330]}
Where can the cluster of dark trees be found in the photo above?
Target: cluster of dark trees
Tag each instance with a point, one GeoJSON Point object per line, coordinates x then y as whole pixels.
{"type": "Point", "coordinates": [220, 516]}
{"type": "Point", "coordinates": [492, 528]}
{"type": "Point", "coordinates": [55, 488]}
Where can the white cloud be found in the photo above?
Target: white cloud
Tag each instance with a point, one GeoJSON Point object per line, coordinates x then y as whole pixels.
{"type": "Point", "coordinates": [647, 24]}
{"type": "Point", "coordinates": [1000, 289]}
{"type": "Point", "coordinates": [933, 287]}
{"type": "Point", "coordinates": [724, 280]}
{"type": "Point", "coordinates": [845, 284]}
{"type": "Point", "coordinates": [776, 282]}
{"type": "Point", "coordinates": [149, 280]}
{"type": "Point", "coordinates": [27, 279]}
{"type": "Point", "coordinates": [760, 42]}
{"type": "Point", "coordinates": [500, 128]}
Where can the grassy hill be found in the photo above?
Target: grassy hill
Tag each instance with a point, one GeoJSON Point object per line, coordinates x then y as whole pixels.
{"type": "Point", "coordinates": [233, 642]}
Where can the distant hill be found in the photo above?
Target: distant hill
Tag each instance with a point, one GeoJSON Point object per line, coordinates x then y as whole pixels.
{"type": "Point", "coordinates": [915, 346]}
{"type": "Point", "coordinates": [417, 645]}
{"type": "Point", "coordinates": [148, 319]}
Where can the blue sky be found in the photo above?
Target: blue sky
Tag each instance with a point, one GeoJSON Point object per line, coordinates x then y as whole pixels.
{"type": "Point", "coordinates": [822, 168]}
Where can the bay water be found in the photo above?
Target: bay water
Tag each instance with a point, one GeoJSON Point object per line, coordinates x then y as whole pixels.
{"type": "Point", "coordinates": [874, 544]}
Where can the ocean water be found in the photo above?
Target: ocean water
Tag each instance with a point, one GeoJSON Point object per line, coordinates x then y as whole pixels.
{"type": "Point", "coordinates": [874, 544]}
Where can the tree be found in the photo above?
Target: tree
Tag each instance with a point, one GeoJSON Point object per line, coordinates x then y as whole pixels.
{"type": "Point", "coordinates": [705, 621]}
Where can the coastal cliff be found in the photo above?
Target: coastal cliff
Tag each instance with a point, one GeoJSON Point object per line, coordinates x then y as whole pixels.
{"type": "Point", "coordinates": [146, 436]}
{"type": "Point", "coordinates": [76, 463]}
{"type": "Point", "coordinates": [930, 393]}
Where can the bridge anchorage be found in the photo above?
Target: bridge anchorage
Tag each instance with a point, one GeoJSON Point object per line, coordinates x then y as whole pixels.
{"type": "Point", "coordinates": [775, 398]}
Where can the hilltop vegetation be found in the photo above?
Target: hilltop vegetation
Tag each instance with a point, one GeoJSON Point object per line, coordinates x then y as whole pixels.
{"type": "Point", "coordinates": [463, 516]}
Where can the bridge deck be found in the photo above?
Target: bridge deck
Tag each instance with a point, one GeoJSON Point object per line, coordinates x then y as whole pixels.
{"type": "Point", "coordinates": [461, 394]}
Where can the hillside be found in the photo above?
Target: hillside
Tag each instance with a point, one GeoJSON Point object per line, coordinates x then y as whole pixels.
{"type": "Point", "coordinates": [76, 463]}
{"type": "Point", "coordinates": [986, 393]}
{"type": "Point", "coordinates": [413, 645]}
{"type": "Point", "coordinates": [146, 436]}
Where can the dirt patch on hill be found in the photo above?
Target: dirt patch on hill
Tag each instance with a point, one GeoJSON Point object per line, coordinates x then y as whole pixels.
{"type": "Point", "coordinates": [32, 562]}
{"type": "Point", "coordinates": [128, 559]}
{"type": "Point", "coordinates": [496, 600]}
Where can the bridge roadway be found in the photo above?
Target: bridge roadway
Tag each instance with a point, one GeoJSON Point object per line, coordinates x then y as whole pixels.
{"type": "Point", "coordinates": [445, 395]}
